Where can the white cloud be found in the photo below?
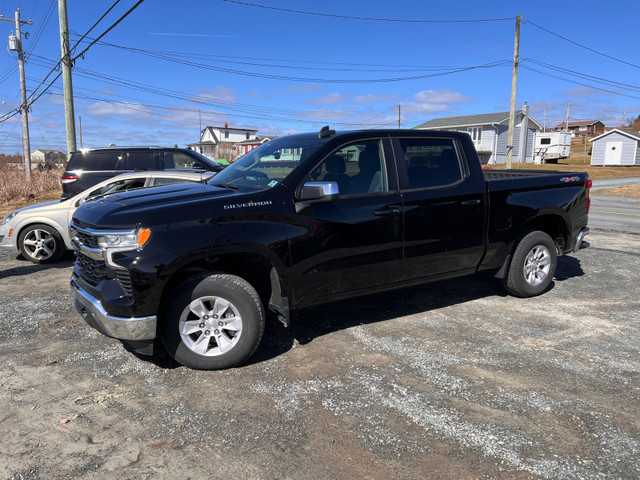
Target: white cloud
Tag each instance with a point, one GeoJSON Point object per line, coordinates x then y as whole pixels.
{"type": "Point", "coordinates": [444, 95]}
{"type": "Point", "coordinates": [122, 110]}
{"type": "Point", "coordinates": [328, 99]}
{"type": "Point", "coordinates": [217, 94]}
{"type": "Point", "coordinates": [380, 97]}
{"type": "Point", "coordinates": [305, 88]}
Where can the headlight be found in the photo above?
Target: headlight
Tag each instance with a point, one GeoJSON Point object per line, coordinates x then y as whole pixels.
{"type": "Point", "coordinates": [124, 241]}
{"type": "Point", "coordinates": [8, 217]}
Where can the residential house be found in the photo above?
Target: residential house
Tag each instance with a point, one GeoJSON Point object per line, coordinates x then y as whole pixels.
{"type": "Point", "coordinates": [247, 145]}
{"type": "Point", "coordinates": [47, 158]}
{"type": "Point", "coordinates": [212, 137]}
{"type": "Point", "coordinates": [582, 128]}
{"type": "Point", "coordinates": [616, 147]}
{"type": "Point", "coordinates": [490, 132]}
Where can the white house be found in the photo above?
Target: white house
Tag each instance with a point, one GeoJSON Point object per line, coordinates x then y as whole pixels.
{"type": "Point", "coordinates": [616, 147]}
{"type": "Point", "coordinates": [50, 157]}
{"type": "Point", "coordinates": [490, 132]}
{"type": "Point", "coordinates": [212, 137]}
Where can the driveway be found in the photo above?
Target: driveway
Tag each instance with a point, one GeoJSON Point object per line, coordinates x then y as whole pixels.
{"type": "Point", "coordinates": [449, 380]}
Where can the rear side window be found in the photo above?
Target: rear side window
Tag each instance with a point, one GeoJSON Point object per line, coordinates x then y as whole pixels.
{"type": "Point", "coordinates": [142, 160]}
{"type": "Point", "coordinates": [95, 160]}
{"type": "Point", "coordinates": [180, 160]}
{"type": "Point", "coordinates": [171, 181]}
{"type": "Point", "coordinates": [430, 162]}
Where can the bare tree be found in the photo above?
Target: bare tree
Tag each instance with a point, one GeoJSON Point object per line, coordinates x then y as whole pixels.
{"type": "Point", "coordinates": [227, 151]}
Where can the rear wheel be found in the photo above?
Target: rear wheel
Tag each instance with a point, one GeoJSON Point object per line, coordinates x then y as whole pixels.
{"type": "Point", "coordinates": [532, 266]}
{"type": "Point", "coordinates": [213, 322]}
{"type": "Point", "coordinates": [41, 243]}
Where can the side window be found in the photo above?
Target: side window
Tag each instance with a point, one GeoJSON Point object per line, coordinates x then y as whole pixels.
{"type": "Point", "coordinates": [118, 186]}
{"type": "Point", "coordinates": [100, 160]}
{"type": "Point", "coordinates": [357, 168]}
{"type": "Point", "coordinates": [180, 160]}
{"type": "Point", "coordinates": [430, 162]}
{"type": "Point", "coordinates": [170, 181]}
{"type": "Point", "coordinates": [142, 160]}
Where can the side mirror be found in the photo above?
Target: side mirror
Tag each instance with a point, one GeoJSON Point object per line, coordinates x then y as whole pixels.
{"type": "Point", "coordinates": [317, 192]}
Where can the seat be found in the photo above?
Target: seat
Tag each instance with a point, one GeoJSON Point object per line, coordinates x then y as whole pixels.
{"type": "Point", "coordinates": [369, 164]}
{"type": "Point", "coordinates": [336, 169]}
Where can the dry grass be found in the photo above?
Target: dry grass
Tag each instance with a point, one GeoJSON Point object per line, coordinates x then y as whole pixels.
{"type": "Point", "coordinates": [15, 193]}
{"type": "Point", "coordinates": [632, 191]}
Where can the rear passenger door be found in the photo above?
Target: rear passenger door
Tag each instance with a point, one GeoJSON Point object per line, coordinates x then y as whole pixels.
{"type": "Point", "coordinates": [443, 208]}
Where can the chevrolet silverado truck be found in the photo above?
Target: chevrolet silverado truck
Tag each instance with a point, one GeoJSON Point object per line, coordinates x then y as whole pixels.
{"type": "Point", "coordinates": [312, 218]}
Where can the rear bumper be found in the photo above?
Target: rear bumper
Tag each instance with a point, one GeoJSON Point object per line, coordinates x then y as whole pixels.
{"type": "Point", "coordinates": [136, 329]}
{"type": "Point", "coordinates": [580, 243]}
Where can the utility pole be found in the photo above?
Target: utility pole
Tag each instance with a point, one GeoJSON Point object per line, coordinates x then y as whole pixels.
{"type": "Point", "coordinates": [398, 115]}
{"type": "Point", "coordinates": [80, 130]}
{"type": "Point", "coordinates": [17, 46]}
{"type": "Point", "coordinates": [514, 86]}
{"type": "Point", "coordinates": [566, 124]}
{"type": "Point", "coordinates": [69, 114]}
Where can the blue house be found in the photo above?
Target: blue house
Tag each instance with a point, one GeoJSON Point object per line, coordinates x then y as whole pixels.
{"type": "Point", "coordinates": [490, 132]}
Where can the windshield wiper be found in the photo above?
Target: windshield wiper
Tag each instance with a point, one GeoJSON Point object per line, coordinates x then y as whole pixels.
{"type": "Point", "coordinates": [224, 185]}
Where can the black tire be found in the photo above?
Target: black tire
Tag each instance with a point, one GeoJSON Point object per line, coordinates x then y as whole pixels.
{"type": "Point", "coordinates": [40, 243]}
{"type": "Point", "coordinates": [212, 322]}
{"type": "Point", "coordinates": [532, 266]}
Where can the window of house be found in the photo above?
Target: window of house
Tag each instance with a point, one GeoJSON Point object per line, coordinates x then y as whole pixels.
{"type": "Point", "coordinates": [226, 134]}
{"type": "Point", "coordinates": [545, 141]}
{"type": "Point", "coordinates": [475, 133]}
{"type": "Point", "coordinates": [248, 135]}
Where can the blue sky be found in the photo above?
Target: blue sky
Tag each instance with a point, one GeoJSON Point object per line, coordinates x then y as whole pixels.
{"type": "Point", "coordinates": [202, 63]}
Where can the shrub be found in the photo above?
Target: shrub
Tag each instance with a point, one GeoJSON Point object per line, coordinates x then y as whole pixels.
{"type": "Point", "coordinates": [13, 185]}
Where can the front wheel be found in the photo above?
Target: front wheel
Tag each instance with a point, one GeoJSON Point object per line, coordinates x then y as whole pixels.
{"type": "Point", "coordinates": [213, 322]}
{"type": "Point", "coordinates": [41, 243]}
{"type": "Point", "coordinates": [533, 265]}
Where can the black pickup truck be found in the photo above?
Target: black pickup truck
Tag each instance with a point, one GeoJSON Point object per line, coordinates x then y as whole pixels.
{"type": "Point", "coordinates": [312, 218]}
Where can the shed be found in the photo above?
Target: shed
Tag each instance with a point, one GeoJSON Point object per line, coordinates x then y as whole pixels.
{"type": "Point", "coordinates": [616, 147]}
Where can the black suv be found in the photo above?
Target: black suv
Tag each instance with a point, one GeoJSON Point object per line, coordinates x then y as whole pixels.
{"type": "Point", "coordinates": [89, 167]}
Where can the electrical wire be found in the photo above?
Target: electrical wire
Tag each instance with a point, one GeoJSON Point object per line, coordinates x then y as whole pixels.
{"type": "Point", "coordinates": [372, 19]}
{"type": "Point", "coordinates": [577, 44]}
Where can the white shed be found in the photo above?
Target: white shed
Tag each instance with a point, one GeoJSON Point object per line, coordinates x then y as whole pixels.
{"type": "Point", "coordinates": [616, 147]}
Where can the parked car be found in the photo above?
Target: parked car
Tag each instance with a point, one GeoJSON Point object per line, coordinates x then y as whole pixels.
{"type": "Point", "coordinates": [41, 232]}
{"type": "Point", "coordinates": [88, 167]}
{"type": "Point", "coordinates": [313, 218]}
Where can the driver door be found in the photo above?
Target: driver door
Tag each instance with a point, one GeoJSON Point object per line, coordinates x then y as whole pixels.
{"type": "Point", "coordinates": [352, 244]}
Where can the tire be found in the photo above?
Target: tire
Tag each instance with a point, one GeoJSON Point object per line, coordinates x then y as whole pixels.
{"type": "Point", "coordinates": [40, 243]}
{"type": "Point", "coordinates": [212, 322]}
{"type": "Point", "coordinates": [533, 265]}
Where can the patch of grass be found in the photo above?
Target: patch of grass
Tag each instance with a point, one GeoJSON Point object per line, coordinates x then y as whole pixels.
{"type": "Point", "coordinates": [632, 191]}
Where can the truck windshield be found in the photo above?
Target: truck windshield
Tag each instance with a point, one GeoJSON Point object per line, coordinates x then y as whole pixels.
{"type": "Point", "coordinates": [267, 165]}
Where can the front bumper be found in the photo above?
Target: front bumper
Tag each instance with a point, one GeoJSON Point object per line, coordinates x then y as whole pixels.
{"type": "Point", "coordinates": [5, 240]}
{"type": "Point", "coordinates": [135, 329]}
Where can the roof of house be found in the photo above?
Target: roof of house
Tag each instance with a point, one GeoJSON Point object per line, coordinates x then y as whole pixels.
{"type": "Point", "coordinates": [232, 128]}
{"type": "Point", "coordinates": [579, 123]}
{"type": "Point", "coordinates": [470, 120]}
{"type": "Point", "coordinates": [628, 133]}
{"type": "Point", "coordinates": [253, 141]}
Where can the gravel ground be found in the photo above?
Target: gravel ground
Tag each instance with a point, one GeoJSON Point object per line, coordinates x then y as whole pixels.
{"type": "Point", "coordinates": [449, 380]}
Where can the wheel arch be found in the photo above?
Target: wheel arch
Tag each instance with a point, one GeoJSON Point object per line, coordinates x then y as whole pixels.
{"type": "Point", "coordinates": [255, 268]}
{"type": "Point", "coordinates": [553, 224]}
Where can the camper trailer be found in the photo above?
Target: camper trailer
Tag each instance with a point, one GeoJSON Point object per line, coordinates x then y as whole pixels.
{"type": "Point", "coordinates": [551, 146]}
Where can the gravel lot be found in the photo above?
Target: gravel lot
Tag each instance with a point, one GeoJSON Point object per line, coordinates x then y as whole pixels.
{"type": "Point", "coordinates": [450, 380]}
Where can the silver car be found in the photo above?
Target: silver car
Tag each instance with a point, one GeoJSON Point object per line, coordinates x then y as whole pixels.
{"type": "Point", "coordinates": [41, 232]}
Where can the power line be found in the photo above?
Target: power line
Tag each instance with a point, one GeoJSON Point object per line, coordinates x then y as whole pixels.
{"type": "Point", "coordinates": [577, 44]}
{"type": "Point", "coordinates": [371, 19]}
{"type": "Point", "coordinates": [97, 22]}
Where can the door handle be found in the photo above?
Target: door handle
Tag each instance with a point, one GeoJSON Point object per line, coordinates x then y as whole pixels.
{"type": "Point", "coordinates": [386, 211]}
{"type": "Point", "coordinates": [470, 202]}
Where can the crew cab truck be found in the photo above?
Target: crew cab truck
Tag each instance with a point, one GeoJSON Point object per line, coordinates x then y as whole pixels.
{"type": "Point", "coordinates": [313, 218]}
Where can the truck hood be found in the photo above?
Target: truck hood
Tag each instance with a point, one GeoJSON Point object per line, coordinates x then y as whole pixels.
{"type": "Point", "coordinates": [153, 206]}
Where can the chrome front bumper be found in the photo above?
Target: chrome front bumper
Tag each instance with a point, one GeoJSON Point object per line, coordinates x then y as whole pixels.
{"type": "Point", "coordinates": [142, 328]}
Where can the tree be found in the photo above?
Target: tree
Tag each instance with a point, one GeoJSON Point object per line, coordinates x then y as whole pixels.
{"type": "Point", "coordinates": [227, 151]}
